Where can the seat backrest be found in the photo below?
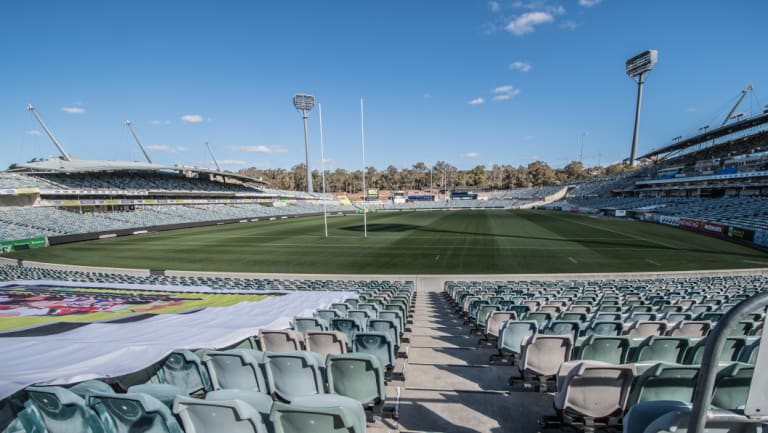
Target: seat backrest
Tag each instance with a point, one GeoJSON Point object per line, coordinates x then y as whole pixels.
{"type": "Point", "coordinates": [327, 342]}
{"type": "Point", "coordinates": [613, 350]}
{"type": "Point", "coordinates": [347, 326]}
{"type": "Point", "coordinates": [731, 350]}
{"type": "Point", "coordinates": [664, 381]}
{"type": "Point", "coordinates": [377, 344]}
{"type": "Point", "coordinates": [482, 314]}
{"type": "Point", "coordinates": [341, 307]}
{"type": "Point", "coordinates": [732, 386]}
{"type": "Point", "coordinates": [328, 314]}
{"type": "Point", "coordinates": [184, 369]}
{"type": "Point", "coordinates": [236, 369]}
{"type": "Point", "coordinates": [496, 320]}
{"type": "Point", "coordinates": [84, 389]}
{"type": "Point", "coordinates": [328, 413]}
{"type": "Point", "coordinates": [294, 374]}
{"type": "Point", "coordinates": [207, 416]}
{"type": "Point", "coordinates": [691, 328]}
{"type": "Point", "coordinates": [61, 410]}
{"type": "Point", "coordinates": [285, 340]}
{"type": "Point", "coordinates": [304, 324]}
{"type": "Point", "coordinates": [542, 355]}
{"type": "Point", "coordinates": [561, 327]}
{"type": "Point", "coordinates": [128, 413]}
{"type": "Point", "coordinates": [386, 326]}
{"type": "Point", "coordinates": [662, 349]}
{"type": "Point", "coordinates": [598, 391]}
{"type": "Point", "coordinates": [362, 316]}
{"type": "Point", "coordinates": [513, 332]}
{"type": "Point", "coordinates": [644, 328]}
{"type": "Point", "coordinates": [396, 316]}
{"type": "Point", "coordinates": [605, 327]}
{"type": "Point", "coordinates": [356, 375]}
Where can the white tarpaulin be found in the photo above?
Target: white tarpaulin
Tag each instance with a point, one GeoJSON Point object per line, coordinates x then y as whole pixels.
{"type": "Point", "coordinates": [103, 350]}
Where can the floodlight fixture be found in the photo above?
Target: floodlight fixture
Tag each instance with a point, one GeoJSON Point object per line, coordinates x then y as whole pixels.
{"type": "Point", "coordinates": [636, 68]}
{"type": "Point", "coordinates": [305, 103]}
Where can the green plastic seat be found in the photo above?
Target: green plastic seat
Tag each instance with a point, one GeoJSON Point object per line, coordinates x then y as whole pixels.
{"type": "Point", "coordinates": [387, 326]}
{"type": "Point", "coordinates": [212, 416]}
{"type": "Point", "coordinates": [357, 375]}
{"type": "Point", "coordinates": [664, 381]}
{"type": "Point", "coordinates": [732, 386]}
{"type": "Point", "coordinates": [163, 392]}
{"type": "Point", "coordinates": [257, 400]}
{"type": "Point", "coordinates": [305, 324]}
{"type": "Point", "coordinates": [133, 412]}
{"type": "Point", "coordinates": [362, 317]}
{"type": "Point", "coordinates": [328, 413]}
{"type": "Point", "coordinates": [513, 332]}
{"type": "Point", "coordinates": [377, 344]}
{"type": "Point", "coordinates": [185, 370]}
{"type": "Point", "coordinates": [294, 374]}
{"type": "Point", "coordinates": [563, 327]}
{"type": "Point", "coordinates": [61, 410]}
{"type": "Point", "coordinates": [611, 328]}
{"type": "Point", "coordinates": [662, 349]}
{"type": "Point", "coordinates": [613, 350]}
{"type": "Point", "coordinates": [236, 369]}
{"type": "Point", "coordinates": [84, 389]}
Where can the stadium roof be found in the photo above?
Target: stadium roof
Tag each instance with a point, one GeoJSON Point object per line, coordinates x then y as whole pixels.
{"type": "Point", "coordinates": [58, 165]}
{"type": "Point", "coordinates": [712, 134]}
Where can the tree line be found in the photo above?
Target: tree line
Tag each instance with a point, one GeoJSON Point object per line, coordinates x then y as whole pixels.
{"type": "Point", "coordinates": [440, 176]}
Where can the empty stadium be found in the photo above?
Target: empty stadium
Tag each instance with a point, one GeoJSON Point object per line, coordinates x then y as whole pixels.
{"type": "Point", "coordinates": [151, 287]}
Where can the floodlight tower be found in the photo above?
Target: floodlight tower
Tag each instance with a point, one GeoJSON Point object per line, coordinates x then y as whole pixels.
{"type": "Point", "coordinates": [63, 153]}
{"type": "Point", "coordinates": [637, 67]}
{"type": "Point", "coordinates": [304, 103]}
{"type": "Point", "coordinates": [136, 137]}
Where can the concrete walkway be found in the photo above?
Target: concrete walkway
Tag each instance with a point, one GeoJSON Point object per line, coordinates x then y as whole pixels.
{"type": "Point", "coordinates": [450, 387]}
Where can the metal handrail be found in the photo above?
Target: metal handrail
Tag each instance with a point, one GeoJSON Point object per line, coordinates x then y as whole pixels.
{"type": "Point", "coordinates": [716, 340]}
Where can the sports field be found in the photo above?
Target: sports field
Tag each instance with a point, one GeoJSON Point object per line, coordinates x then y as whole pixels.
{"type": "Point", "coordinates": [439, 242]}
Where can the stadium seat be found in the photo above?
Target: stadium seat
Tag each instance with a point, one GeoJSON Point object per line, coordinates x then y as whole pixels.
{"type": "Point", "coordinates": [662, 349]}
{"type": "Point", "coordinates": [613, 350]}
{"type": "Point", "coordinates": [362, 317]}
{"type": "Point", "coordinates": [294, 374]}
{"type": "Point", "coordinates": [605, 328]}
{"type": "Point", "coordinates": [347, 326]}
{"type": "Point", "coordinates": [512, 334]}
{"type": "Point", "coordinates": [328, 413]}
{"type": "Point", "coordinates": [690, 328]}
{"type": "Point", "coordinates": [285, 340]}
{"type": "Point", "coordinates": [327, 342]}
{"type": "Point", "coordinates": [397, 317]}
{"type": "Point", "coordinates": [563, 327]}
{"type": "Point", "coordinates": [377, 344]}
{"type": "Point", "coordinates": [258, 400]}
{"type": "Point", "coordinates": [184, 369]}
{"type": "Point", "coordinates": [236, 369]}
{"type": "Point", "coordinates": [328, 314]}
{"type": "Point", "coordinates": [61, 410]}
{"type": "Point", "coordinates": [163, 392]}
{"type": "Point", "coordinates": [84, 389]}
{"type": "Point", "coordinates": [133, 412]}
{"type": "Point", "coordinates": [386, 326]}
{"type": "Point", "coordinates": [359, 376]}
{"type": "Point", "coordinates": [212, 416]}
{"type": "Point", "coordinates": [732, 386]}
{"type": "Point", "coordinates": [494, 324]}
{"type": "Point", "coordinates": [645, 328]}
{"type": "Point", "coordinates": [665, 381]}
{"type": "Point", "coordinates": [542, 356]}
{"type": "Point", "coordinates": [593, 392]}
{"type": "Point", "coordinates": [304, 324]}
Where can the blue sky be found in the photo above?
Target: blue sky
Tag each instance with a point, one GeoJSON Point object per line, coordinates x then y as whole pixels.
{"type": "Point", "coordinates": [467, 82]}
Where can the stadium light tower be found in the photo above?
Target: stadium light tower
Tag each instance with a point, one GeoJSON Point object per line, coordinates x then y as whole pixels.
{"type": "Point", "coordinates": [304, 103]}
{"type": "Point", "coordinates": [637, 67]}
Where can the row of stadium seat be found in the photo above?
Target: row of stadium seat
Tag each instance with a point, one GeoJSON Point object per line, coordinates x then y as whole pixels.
{"type": "Point", "coordinates": [282, 389]}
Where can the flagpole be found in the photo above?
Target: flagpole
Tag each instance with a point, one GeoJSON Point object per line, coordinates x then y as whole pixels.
{"type": "Point", "coordinates": [365, 191]}
{"type": "Point", "coordinates": [322, 168]}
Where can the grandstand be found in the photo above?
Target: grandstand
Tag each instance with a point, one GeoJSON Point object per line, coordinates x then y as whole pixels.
{"type": "Point", "coordinates": [182, 351]}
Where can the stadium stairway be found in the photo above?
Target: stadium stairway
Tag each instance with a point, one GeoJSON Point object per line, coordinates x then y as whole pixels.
{"type": "Point", "coordinates": [450, 386]}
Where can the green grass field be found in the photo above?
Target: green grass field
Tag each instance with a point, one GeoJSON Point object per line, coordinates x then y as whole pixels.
{"type": "Point", "coordinates": [440, 242]}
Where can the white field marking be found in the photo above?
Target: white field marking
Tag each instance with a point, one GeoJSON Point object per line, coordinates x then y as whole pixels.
{"type": "Point", "coordinates": [640, 238]}
{"type": "Point", "coordinates": [653, 262]}
{"type": "Point", "coordinates": [572, 259]}
{"type": "Point", "coordinates": [755, 262]}
{"type": "Point", "coordinates": [433, 246]}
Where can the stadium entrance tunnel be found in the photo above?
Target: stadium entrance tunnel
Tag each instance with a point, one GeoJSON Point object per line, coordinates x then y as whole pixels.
{"type": "Point", "coordinates": [397, 228]}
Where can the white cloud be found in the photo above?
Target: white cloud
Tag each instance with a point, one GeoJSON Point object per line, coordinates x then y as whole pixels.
{"type": "Point", "coordinates": [73, 110]}
{"type": "Point", "coordinates": [494, 6]}
{"type": "Point", "coordinates": [231, 162]}
{"type": "Point", "coordinates": [260, 149]}
{"type": "Point", "coordinates": [33, 132]}
{"type": "Point", "coordinates": [589, 3]}
{"type": "Point", "coordinates": [160, 122]}
{"type": "Point", "coordinates": [470, 155]}
{"type": "Point", "coordinates": [569, 25]}
{"type": "Point", "coordinates": [191, 118]}
{"type": "Point", "coordinates": [506, 92]}
{"type": "Point", "coordinates": [520, 66]}
{"type": "Point", "coordinates": [476, 101]}
{"type": "Point", "coordinates": [166, 149]}
{"type": "Point", "coordinates": [527, 22]}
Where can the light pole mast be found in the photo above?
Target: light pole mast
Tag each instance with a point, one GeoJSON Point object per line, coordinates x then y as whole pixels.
{"type": "Point", "coordinates": [637, 67]}
{"type": "Point", "coordinates": [136, 137]}
{"type": "Point", "coordinates": [63, 153]}
{"type": "Point", "coordinates": [304, 103]}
